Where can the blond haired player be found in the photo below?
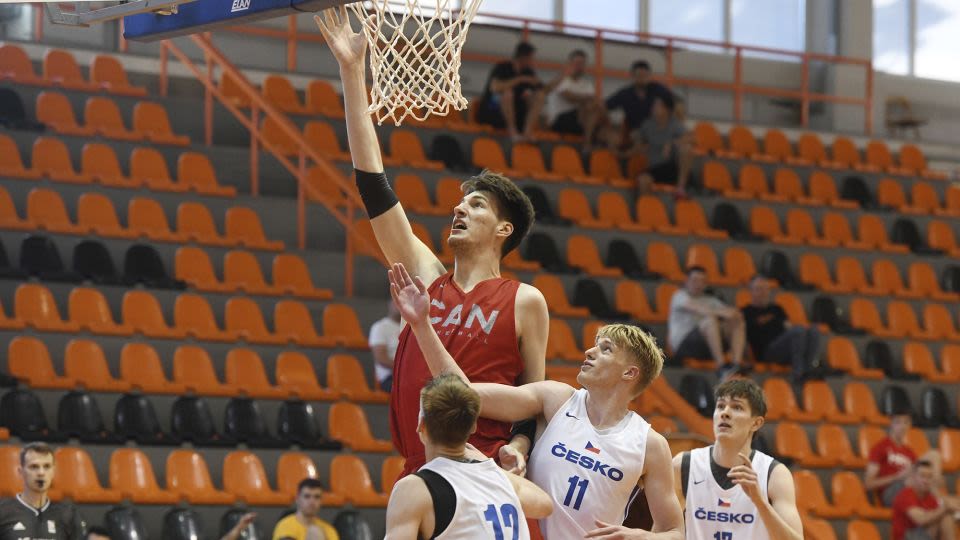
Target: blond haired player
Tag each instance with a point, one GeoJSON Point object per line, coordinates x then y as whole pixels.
{"type": "Point", "coordinates": [595, 454]}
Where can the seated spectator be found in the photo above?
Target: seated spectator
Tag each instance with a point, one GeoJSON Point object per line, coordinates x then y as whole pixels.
{"type": "Point", "coordinates": [700, 325]}
{"type": "Point", "coordinates": [513, 96]}
{"type": "Point", "coordinates": [384, 338]}
{"type": "Point", "coordinates": [890, 460]}
{"type": "Point", "coordinates": [667, 145]}
{"type": "Point", "coordinates": [919, 512]}
{"type": "Point", "coordinates": [305, 524]}
{"type": "Point", "coordinates": [636, 99]}
{"type": "Point", "coordinates": [774, 340]}
{"type": "Point", "coordinates": [572, 106]}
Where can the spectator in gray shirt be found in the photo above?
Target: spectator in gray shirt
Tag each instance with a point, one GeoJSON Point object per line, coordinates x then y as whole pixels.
{"type": "Point", "coordinates": [701, 325]}
{"type": "Point", "coordinates": [667, 145]}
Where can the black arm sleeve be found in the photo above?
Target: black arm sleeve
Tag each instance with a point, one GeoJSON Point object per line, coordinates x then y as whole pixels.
{"type": "Point", "coordinates": [684, 472]}
{"type": "Point", "coordinates": [376, 192]}
{"type": "Point", "coordinates": [527, 428]}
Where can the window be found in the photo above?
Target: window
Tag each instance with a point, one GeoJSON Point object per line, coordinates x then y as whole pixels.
{"type": "Point", "coordinates": [777, 24]}
{"type": "Point", "coordinates": [891, 49]}
{"type": "Point", "coordinates": [701, 19]}
{"type": "Point", "coordinates": [532, 9]}
{"type": "Point", "coordinates": [938, 40]}
{"type": "Point", "coordinates": [598, 13]}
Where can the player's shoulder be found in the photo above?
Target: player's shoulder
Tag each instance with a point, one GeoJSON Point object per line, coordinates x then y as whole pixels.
{"type": "Point", "coordinates": [530, 296]}
{"type": "Point", "coordinates": [658, 447]}
{"type": "Point", "coordinates": [410, 493]}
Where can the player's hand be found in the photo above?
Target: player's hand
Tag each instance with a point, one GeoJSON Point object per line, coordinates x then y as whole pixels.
{"type": "Point", "coordinates": [512, 460]}
{"type": "Point", "coordinates": [744, 476]}
{"type": "Point", "coordinates": [347, 46]}
{"type": "Point", "coordinates": [409, 295]}
{"type": "Point", "coordinates": [607, 531]}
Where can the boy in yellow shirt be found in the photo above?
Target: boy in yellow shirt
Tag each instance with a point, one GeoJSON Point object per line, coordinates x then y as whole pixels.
{"type": "Point", "coordinates": [305, 524]}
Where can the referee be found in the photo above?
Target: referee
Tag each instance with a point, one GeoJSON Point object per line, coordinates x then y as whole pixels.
{"type": "Point", "coordinates": [31, 514]}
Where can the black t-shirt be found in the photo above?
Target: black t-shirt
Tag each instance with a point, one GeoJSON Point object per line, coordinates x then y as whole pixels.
{"type": "Point", "coordinates": [55, 521]}
{"type": "Point", "coordinates": [504, 71]}
{"type": "Point", "coordinates": [764, 324]}
{"type": "Point", "coordinates": [637, 104]}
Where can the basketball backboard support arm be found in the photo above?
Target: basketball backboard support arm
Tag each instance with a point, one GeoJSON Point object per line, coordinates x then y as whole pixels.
{"type": "Point", "coordinates": [83, 15]}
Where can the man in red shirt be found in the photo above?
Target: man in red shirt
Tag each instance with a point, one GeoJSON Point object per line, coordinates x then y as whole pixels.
{"type": "Point", "coordinates": [890, 460]}
{"type": "Point", "coordinates": [496, 329]}
{"type": "Point", "coordinates": [919, 513]}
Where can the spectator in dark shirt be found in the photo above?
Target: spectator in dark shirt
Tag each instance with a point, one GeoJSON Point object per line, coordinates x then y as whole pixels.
{"type": "Point", "coordinates": [773, 339]}
{"type": "Point", "coordinates": [513, 96]}
{"type": "Point", "coordinates": [919, 512]}
{"type": "Point", "coordinates": [636, 99]}
{"type": "Point", "coordinates": [665, 142]}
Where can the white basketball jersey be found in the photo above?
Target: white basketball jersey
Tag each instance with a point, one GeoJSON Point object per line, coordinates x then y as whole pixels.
{"type": "Point", "coordinates": [487, 505]}
{"type": "Point", "coordinates": [714, 513]}
{"type": "Point", "coordinates": [591, 474]}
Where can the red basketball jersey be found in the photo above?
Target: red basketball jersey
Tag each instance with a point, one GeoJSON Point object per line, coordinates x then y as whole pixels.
{"type": "Point", "coordinates": [478, 330]}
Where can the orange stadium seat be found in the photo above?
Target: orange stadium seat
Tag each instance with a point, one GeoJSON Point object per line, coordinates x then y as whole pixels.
{"type": "Point", "coordinates": [753, 181]}
{"type": "Point", "coordinates": [340, 323]}
{"type": "Point", "coordinates": [189, 477]}
{"type": "Point", "coordinates": [582, 253]}
{"type": "Point", "coordinates": [918, 359]}
{"type": "Point", "coordinates": [277, 138]}
{"type": "Point", "coordinates": [54, 110]}
{"type": "Point", "coordinates": [321, 188]}
{"type": "Point", "coordinates": [837, 228]}
{"type": "Point", "coordinates": [662, 259]}
{"type": "Point", "coordinates": [244, 370]}
{"type": "Point", "coordinates": [28, 359]}
{"type": "Point", "coordinates": [810, 148]}
{"type": "Point", "coordinates": [414, 197]}
{"type": "Point", "coordinates": [917, 441]}
{"type": "Point", "coordinates": [851, 277]}
{"type": "Point", "coordinates": [241, 271]}
{"type": "Point", "coordinates": [95, 213]}
{"type": "Point", "coordinates": [195, 223]}
{"type": "Point", "coordinates": [61, 69]}
{"type": "Point", "coordinates": [764, 222]}
{"type": "Point", "coordinates": [844, 152]}
{"type": "Point", "coordinates": [652, 215]}
{"type": "Point", "coordinates": [321, 137]}
{"type": "Point", "coordinates": [707, 139]}
{"type": "Point", "coordinates": [131, 474]}
{"type": "Point", "coordinates": [952, 201]}
{"type": "Point", "coordinates": [192, 265]}
{"type": "Point", "coordinates": [703, 255]}
{"type": "Point", "coordinates": [663, 294]}
{"type": "Point", "coordinates": [16, 66]}
{"type": "Point", "coordinates": [787, 186]}
{"type": "Point", "coordinates": [449, 194]}
{"type": "Point", "coordinates": [903, 320]}
{"type": "Point", "coordinates": [948, 443]}
{"type": "Point", "coordinates": [195, 172]}
{"type": "Point", "coordinates": [390, 472]}
{"type": "Point", "coordinates": [232, 92]}
{"type": "Point", "coordinates": [572, 204]}
{"type": "Point", "coordinates": [528, 160]}
{"type": "Point", "coordinates": [141, 310]}
{"type": "Point", "coordinates": [777, 147]}
{"type": "Point", "coordinates": [11, 163]}
{"type": "Point", "coordinates": [193, 316]}
{"type": "Point", "coordinates": [792, 442]}
{"type": "Point", "coordinates": [148, 166]}
{"type": "Point", "coordinates": [864, 315]}
{"type": "Point", "coordinates": [848, 493]}
{"type": "Point", "coordinates": [811, 498]}
{"type": "Point", "coordinates": [912, 160]}
{"type": "Point", "coordinates": [923, 283]}
{"type": "Point", "coordinates": [108, 73]}
{"type": "Point", "coordinates": [782, 404]}
{"type": "Point", "coordinates": [878, 156]}
{"type": "Point", "coordinates": [243, 316]}
{"type": "Point", "coordinates": [858, 400]}
{"type": "Point", "coordinates": [561, 344]}
{"type": "Point", "coordinates": [939, 323]}
{"type": "Point", "coordinates": [100, 163]}
{"type": "Point", "coordinates": [102, 114]}
{"type": "Point", "coordinates": [890, 194]}
{"type": "Point", "coordinates": [193, 369]}
{"type": "Point", "coordinates": [738, 264]}
{"type": "Point", "coordinates": [323, 99]}
{"type": "Point", "coordinates": [940, 236]}
{"type": "Point", "coordinates": [823, 190]}
{"type": "Point", "coordinates": [345, 374]}
{"type": "Point", "coordinates": [292, 467]}
{"type": "Point", "coordinates": [814, 271]}
{"type": "Point", "coordinates": [819, 400]}
{"type": "Point", "coordinates": [290, 274]}
{"type": "Point", "coordinates": [88, 308]}
{"type": "Point", "coordinates": [245, 478]}
{"type": "Point", "coordinates": [140, 366]}
{"type": "Point", "coordinates": [78, 479]}
{"type": "Point", "coordinates": [243, 227]}
{"type": "Point", "coordinates": [874, 234]}
{"type": "Point", "coordinates": [406, 148]}
{"type": "Point", "coordinates": [832, 440]}
{"type": "Point", "coordinates": [487, 154]}
{"type": "Point", "coordinates": [566, 160]}
{"type": "Point", "coordinates": [295, 375]}
{"type": "Point", "coordinates": [36, 307]}
{"type": "Point", "coordinates": [152, 121]}
{"type": "Point", "coordinates": [511, 260]}
{"type": "Point", "coordinates": [744, 145]}
{"type": "Point", "coordinates": [10, 482]}
{"type": "Point", "coordinates": [45, 210]}
{"type": "Point", "coordinates": [350, 478]}
{"type": "Point", "coordinates": [631, 298]}
{"type": "Point", "coordinates": [9, 219]}
{"type": "Point", "coordinates": [801, 228]}
{"type": "Point", "coordinates": [817, 529]}
{"type": "Point", "coordinates": [348, 424]}
{"type": "Point", "coordinates": [717, 177]}
{"type": "Point", "coordinates": [51, 159]}
{"type": "Point", "coordinates": [603, 164]}
{"type": "Point", "coordinates": [556, 296]}
{"type": "Point", "coordinates": [924, 199]}
{"type": "Point", "coordinates": [690, 217]}
{"type": "Point", "coordinates": [85, 363]}
{"type": "Point", "coordinates": [886, 278]}
{"type": "Point", "coordinates": [278, 91]}
{"type": "Point", "coordinates": [612, 208]}
{"type": "Point", "coordinates": [791, 304]}
{"type": "Point", "coordinates": [862, 530]}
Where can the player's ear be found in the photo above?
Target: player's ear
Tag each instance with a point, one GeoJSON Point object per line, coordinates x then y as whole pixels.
{"type": "Point", "coordinates": [473, 428]}
{"type": "Point", "coordinates": [504, 229]}
{"type": "Point", "coordinates": [631, 373]}
{"type": "Point", "coordinates": [758, 422]}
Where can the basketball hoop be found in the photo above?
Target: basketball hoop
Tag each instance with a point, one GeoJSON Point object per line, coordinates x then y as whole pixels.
{"type": "Point", "coordinates": [415, 56]}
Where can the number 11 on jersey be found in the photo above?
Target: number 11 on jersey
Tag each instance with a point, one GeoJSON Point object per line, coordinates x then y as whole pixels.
{"type": "Point", "coordinates": [578, 487]}
{"type": "Point", "coordinates": [722, 535]}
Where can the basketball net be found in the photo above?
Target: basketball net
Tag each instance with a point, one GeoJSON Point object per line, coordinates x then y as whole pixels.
{"type": "Point", "coordinates": [415, 55]}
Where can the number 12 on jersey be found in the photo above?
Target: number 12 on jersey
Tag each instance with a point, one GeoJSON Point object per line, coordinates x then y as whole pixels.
{"type": "Point", "coordinates": [578, 487]}
{"type": "Point", "coordinates": [511, 519]}
{"type": "Point", "coordinates": [722, 535]}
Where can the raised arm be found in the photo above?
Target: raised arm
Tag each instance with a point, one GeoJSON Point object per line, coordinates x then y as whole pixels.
{"type": "Point", "coordinates": [390, 224]}
{"type": "Point", "coordinates": [410, 510]}
{"type": "Point", "coordinates": [536, 503]}
{"type": "Point", "coordinates": [778, 510]}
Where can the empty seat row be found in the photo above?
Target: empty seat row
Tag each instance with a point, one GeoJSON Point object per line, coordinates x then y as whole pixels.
{"type": "Point", "coordinates": [321, 98]}
{"type": "Point", "coordinates": [241, 272]}
{"type": "Point", "coordinates": [810, 150]}
{"type": "Point", "coordinates": [140, 368]}
{"type": "Point", "coordinates": [102, 117]}
{"type": "Point", "coordinates": [35, 307]}
{"type": "Point", "coordinates": [51, 159]}
{"type": "Point", "coordinates": [132, 477]}
{"type": "Point", "coordinates": [97, 215]}
{"type": "Point", "coordinates": [885, 278]}
{"type": "Point", "coordinates": [135, 419]}
{"type": "Point", "coordinates": [60, 68]}
{"type": "Point", "coordinates": [526, 161]}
